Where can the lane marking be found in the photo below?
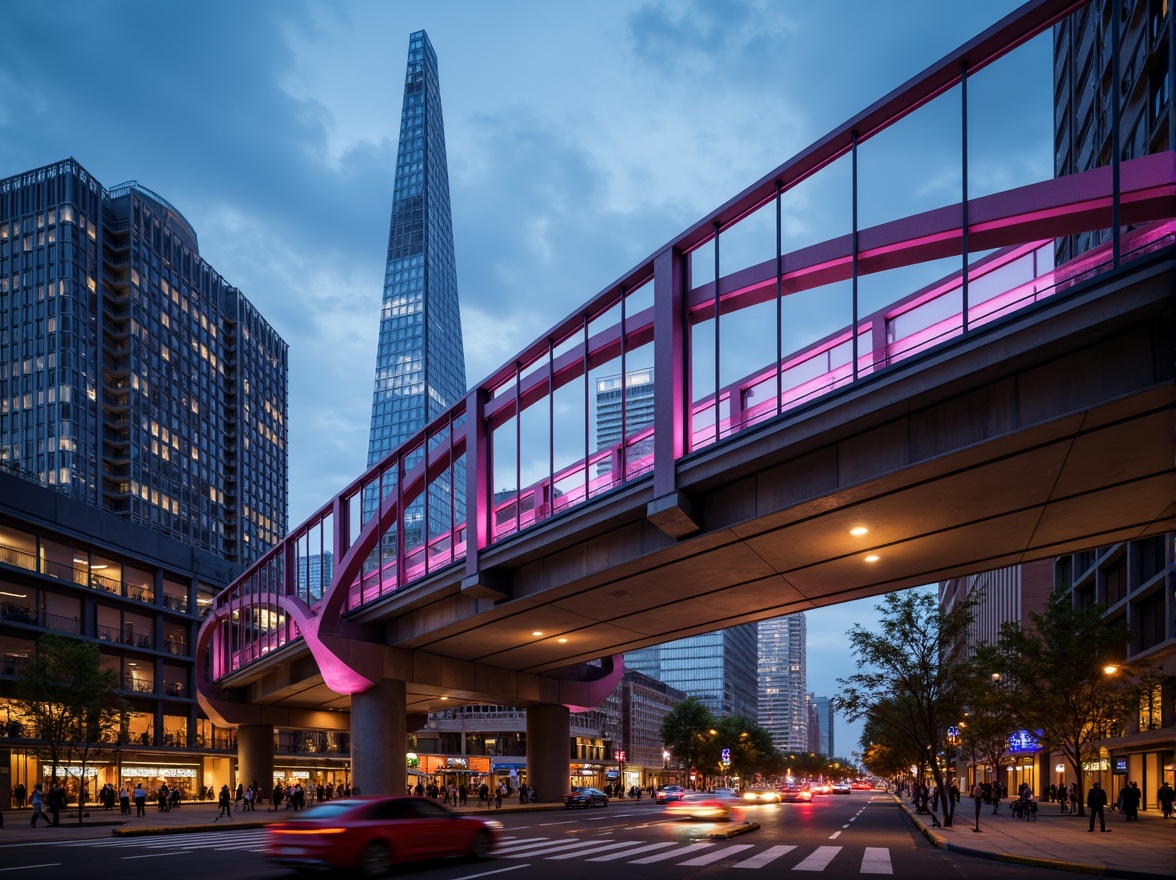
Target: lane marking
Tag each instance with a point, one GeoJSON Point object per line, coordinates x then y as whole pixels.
{"type": "Point", "coordinates": [819, 860]}
{"type": "Point", "coordinates": [599, 848]}
{"type": "Point", "coordinates": [661, 857]}
{"type": "Point", "coordinates": [766, 857]}
{"type": "Point", "coordinates": [649, 847]}
{"type": "Point", "coordinates": [876, 860]}
{"type": "Point", "coordinates": [489, 873]}
{"type": "Point", "coordinates": [27, 867]}
{"type": "Point", "coordinates": [834, 835]}
{"type": "Point", "coordinates": [718, 854]}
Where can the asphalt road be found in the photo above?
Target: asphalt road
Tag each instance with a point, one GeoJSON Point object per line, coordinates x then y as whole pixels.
{"type": "Point", "coordinates": [837, 836]}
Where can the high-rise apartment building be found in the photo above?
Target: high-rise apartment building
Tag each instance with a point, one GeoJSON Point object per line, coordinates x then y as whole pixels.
{"type": "Point", "coordinates": [420, 361]}
{"type": "Point", "coordinates": [622, 412]}
{"type": "Point", "coordinates": [133, 377]}
{"type": "Point", "coordinates": [783, 681]}
{"type": "Point", "coordinates": [143, 457]}
{"type": "Point", "coordinates": [1086, 92]}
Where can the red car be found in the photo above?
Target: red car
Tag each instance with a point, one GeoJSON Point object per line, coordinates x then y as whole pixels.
{"type": "Point", "coordinates": [371, 834]}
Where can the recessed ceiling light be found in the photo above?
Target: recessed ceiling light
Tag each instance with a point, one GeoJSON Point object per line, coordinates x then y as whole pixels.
{"type": "Point", "coordinates": [562, 641]}
{"type": "Point", "coordinates": [858, 531]}
{"type": "Point", "coordinates": [536, 633]}
{"type": "Point", "coordinates": [873, 558]}
{"type": "Point", "coordinates": [445, 698]}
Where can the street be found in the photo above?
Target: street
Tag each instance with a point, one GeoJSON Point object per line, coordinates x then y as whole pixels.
{"type": "Point", "coordinates": [839, 836]}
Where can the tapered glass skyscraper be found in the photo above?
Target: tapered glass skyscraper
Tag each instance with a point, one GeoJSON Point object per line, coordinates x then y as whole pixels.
{"type": "Point", "coordinates": [420, 360]}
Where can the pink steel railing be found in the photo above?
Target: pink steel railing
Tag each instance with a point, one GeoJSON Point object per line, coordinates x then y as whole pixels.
{"type": "Point", "coordinates": [407, 518]}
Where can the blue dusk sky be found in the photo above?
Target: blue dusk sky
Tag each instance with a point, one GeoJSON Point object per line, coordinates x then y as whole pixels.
{"type": "Point", "coordinates": [580, 136]}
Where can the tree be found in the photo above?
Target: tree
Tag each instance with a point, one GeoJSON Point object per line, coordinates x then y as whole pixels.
{"type": "Point", "coordinates": [886, 751]}
{"type": "Point", "coordinates": [71, 703]}
{"type": "Point", "coordinates": [1056, 669]}
{"type": "Point", "coordinates": [749, 744]}
{"type": "Point", "coordinates": [992, 711]}
{"type": "Point", "coordinates": [914, 676]}
{"type": "Point", "coordinates": [686, 732]}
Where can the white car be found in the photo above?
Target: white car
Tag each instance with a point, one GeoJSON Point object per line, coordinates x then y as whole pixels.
{"type": "Point", "coordinates": [842, 788]}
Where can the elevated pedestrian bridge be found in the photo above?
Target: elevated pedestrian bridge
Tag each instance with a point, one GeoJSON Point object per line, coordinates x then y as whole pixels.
{"type": "Point", "coordinates": [1014, 404]}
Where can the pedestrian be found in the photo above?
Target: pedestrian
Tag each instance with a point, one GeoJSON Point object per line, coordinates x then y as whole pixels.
{"type": "Point", "coordinates": [997, 794]}
{"type": "Point", "coordinates": [225, 803]}
{"type": "Point", "coordinates": [462, 794]}
{"type": "Point", "coordinates": [1131, 798]}
{"type": "Point", "coordinates": [1096, 799]}
{"type": "Point", "coordinates": [239, 797]}
{"type": "Point", "coordinates": [161, 798]}
{"type": "Point", "coordinates": [1073, 798]}
{"type": "Point", "coordinates": [499, 795]}
{"type": "Point", "coordinates": [276, 798]}
{"type": "Point", "coordinates": [38, 803]}
{"type": "Point", "coordinates": [140, 799]}
{"type": "Point", "coordinates": [124, 801]}
{"type": "Point", "coordinates": [484, 795]}
{"type": "Point", "coordinates": [250, 797]}
{"type": "Point", "coordinates": [1166, 796]}
{"type": "Point", "coordinates": [55, 801]}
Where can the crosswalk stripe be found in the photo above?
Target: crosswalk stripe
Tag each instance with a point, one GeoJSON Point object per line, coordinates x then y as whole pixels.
{"type": "Point", "coordinates": [719, 854]}
{"type": "Point", "coordinates": [765, 858]}
{"type": "Point", "coordinates": [876, 861]}
{"type": "Point", "coordinates": [819, 860]}
{"type": "Point", "coordinates": [522, 844]}
{"type": "Point", "coordinates": [599, 848]}
{"type": "Point", "coordinates": [661, 857]}
{"type": "Point", "coordinates": [547, 848]}
{"type": "Point", "coordinates": [649, 847]}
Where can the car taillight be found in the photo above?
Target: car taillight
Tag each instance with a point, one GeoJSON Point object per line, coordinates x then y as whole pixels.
{"type": "Point", "coordinates": [308, 830]}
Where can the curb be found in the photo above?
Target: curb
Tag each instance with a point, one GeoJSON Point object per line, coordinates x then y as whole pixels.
{"type": "Point", "coordinates": [735, 832]}
{"type": "Point", "coordinates": [147, 830]}
{"type": "Point", "coordinates": [1030, 861]}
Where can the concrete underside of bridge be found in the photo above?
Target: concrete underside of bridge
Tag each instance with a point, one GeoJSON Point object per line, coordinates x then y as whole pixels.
{"type": "Point", "coordinates": [1047, 432]}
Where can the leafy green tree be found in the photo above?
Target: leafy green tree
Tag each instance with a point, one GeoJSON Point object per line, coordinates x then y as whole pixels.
{"type": "Point", "coordinates": [886, 751]}
{"type": "Point", "coordinates": [71, 703]}
{"type": "Point", "coordinates": [1055, 669]}
{"type": "Point", "coordinates": [750, 746]}
{"type": "Point", "coordinates": [992, 711]}
{"type": "Point", "coordinates": [686, 732]}
{"type": "Point", "coordinates": [914, 677]}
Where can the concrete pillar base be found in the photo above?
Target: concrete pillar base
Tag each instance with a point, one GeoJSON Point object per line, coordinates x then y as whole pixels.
{"type": "Point", "coordinates": [255, 758]}
{"type": "Point", "coordinates": [549, 736]}
{"type": "Point", "coordinates": [379, 740]}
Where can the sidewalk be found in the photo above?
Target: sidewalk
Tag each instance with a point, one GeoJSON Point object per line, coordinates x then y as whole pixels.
{"type": "Point", "coordinates": [191, 817]}
{"type": "Point", "coordinates": [1143, 849]}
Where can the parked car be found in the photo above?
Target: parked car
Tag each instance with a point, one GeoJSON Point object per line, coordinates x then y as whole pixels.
{"type": "Point", "coordinates": [670, 793]}
{"type": "Point", "coordinates": [842, 788]}
{"type": "Point", "coordinates": [583, 796]}
{"type": "Point", "coordinates": [369, 835]}
{"type": "Point", "coordinates": [760, 795]}
{"type": "Point", "coordinates": [795, 794]}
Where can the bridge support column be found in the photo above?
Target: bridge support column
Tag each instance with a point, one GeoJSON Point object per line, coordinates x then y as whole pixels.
{"type": "Point", "coordinates": [255, 758]}
{"type": "Point", "coordinates": [379, 739]}
{"type": "Point", "coordinates": [549, 735]}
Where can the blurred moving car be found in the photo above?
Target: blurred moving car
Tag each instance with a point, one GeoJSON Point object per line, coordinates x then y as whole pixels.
{"type": "Point", "coordinates": [760, 795]}
{"type": "Point", "coordinates": [820, 788]}
{"type": "Point", "coordinates": [722, 805]}
{"type": "Point", "coordinates": [795, 794]}
{"type": "Point", "coordinates": [842, 788]}
{"type": "Point", "coordinates": [670, 793]}
{"type": "Point", "coordinates": [369, 835]}
{"type": "Point", "coordinates": [583, 796]}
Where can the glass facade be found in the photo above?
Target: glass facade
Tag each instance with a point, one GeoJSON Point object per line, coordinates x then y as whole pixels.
{"type": "Point", "coordinates": [783, 681]}
{"type": "Point", "coordinates": [719, 668]}
{"type": "Point", "coordinates": [420, 359]}
{"type": "Point", "coordinates": [132, 376]}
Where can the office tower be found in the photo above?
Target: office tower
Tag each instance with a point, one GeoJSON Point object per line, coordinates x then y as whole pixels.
{"type": "Point", "coordinates": [420, 361]}
{"type": "Point", "coordinates": [132, 376]}
{"type": "Point", "coordinates": [814, 724]}
{"type": "Point", "coordinates": [718, 668]}
{"type": "Point", "coordinates": [1084, 89]}
{"type": "Point", "coordinates": [613, 421]}
{"type": "Point", "coordinates": [783, 681]}
{"type": "Point", "coordinates": [825, 715]}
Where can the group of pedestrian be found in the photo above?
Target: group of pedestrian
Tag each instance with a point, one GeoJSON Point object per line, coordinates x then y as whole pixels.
{"type": "Point", "coordinates": [52, 800]}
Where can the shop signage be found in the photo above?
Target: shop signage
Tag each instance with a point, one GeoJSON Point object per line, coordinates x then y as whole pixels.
{"type": "Point", "coordinates": [1120, 766]}
{"type": "Point", "coordinates": [153, 772]}
{"type": "Point", "coordinates": [69, 769]}
{"type": "Point", "coordinates": [1022, 741]}
{"type": "Point", "coordinates": [1096, 766]}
